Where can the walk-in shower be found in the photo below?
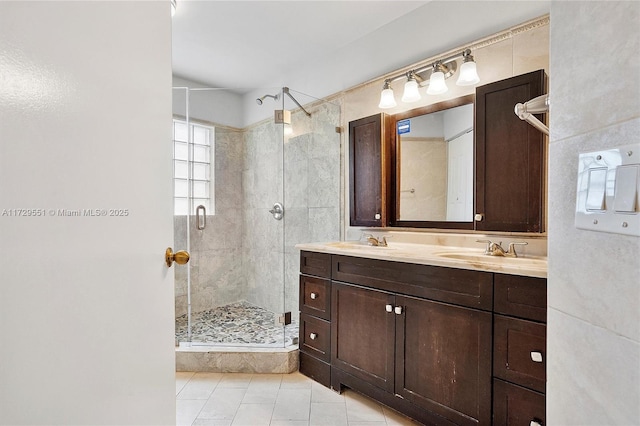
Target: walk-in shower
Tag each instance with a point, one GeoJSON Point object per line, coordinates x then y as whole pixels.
{"type": "Point", "coordinates": [242, 280]}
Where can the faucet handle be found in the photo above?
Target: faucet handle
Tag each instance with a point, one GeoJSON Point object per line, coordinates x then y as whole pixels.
{"type": "Point", "coordinates": [487, 249]}
{"type": "Point", "coordinates": [512, 249]}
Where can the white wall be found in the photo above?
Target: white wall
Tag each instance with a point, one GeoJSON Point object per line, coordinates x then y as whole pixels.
{"type": "Point", "coordinates": [216, 105]}
{"type": "Point", "coordinates": [593, 370]}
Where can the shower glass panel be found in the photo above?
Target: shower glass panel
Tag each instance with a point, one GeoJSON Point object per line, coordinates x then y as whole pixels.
{"type": "Point", "coordinates": [243, 272]}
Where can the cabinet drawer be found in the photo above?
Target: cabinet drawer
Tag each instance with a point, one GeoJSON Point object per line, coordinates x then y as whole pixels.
{"type": "Point", "coordinates": [514, 405]}
{"type": "Point", "coordinates": [473, 289]}
{"type": "Point", "coordinates": [315, 297]}
{"type": "Point", "coordinates": [318, 264]}
{"type": "Point", "coordinates": [315, 337]}
{"type": "Point", "coordinates": [524, 297]}
{"type": "Point", "coordinates": [520, 352]}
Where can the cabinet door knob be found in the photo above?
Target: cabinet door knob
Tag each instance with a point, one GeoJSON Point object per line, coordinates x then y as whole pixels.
{"type": "Point", "coordinates": [377, 216]}
{"type": "Point", "coordinates": [398, 310]}
{"type": "Point", "coordinates": [478, 217]}
{"type": "Point", "coordinates": [313, 295]}
{"type": "Point", "coordinates": [313, 336]}
{"type": "Point", "coordinates": [535, 422]}
{"type": "Point", "coordinates": [536, 356]}
{"type": "Point", "coordinates": [389, 308]}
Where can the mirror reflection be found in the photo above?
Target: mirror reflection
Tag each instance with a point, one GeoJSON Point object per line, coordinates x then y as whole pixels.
{"type": "Point", "coordinates": [434, 166]}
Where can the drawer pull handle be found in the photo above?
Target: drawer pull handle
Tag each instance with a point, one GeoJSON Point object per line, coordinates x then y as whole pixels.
{"type": "Point", "coordinates": [535, 422]}
{"type": "Point", "coordinates": [398, 310]}
{"type": "Point", "coordinates": [313, 336]}
{"type": "Point", "coordinates": [536, 357]}
{"type": "Point", "coordinates": [313, 296]}
{"type": "Point", "coordinates": [389, 308]}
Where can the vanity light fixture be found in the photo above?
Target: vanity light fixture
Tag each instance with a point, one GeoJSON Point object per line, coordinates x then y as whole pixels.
{"type": "Point", "coordinates": [411, 92]}
{"type": "Point", "coordinates": [387, 99]}
{"type": "Point", "coordinates": [437, 85]}
{"type": "Point", "coordinates": [433, 75]}
{"type": "Point", "coordinates": [468, 70]}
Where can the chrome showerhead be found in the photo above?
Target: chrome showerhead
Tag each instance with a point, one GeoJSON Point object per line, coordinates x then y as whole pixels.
{"type": "Point", "coordinates": [260, 100]}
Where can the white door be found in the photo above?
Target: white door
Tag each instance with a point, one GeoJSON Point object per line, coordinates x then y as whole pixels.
{"type": "Point", "coordinates": [86, 301]}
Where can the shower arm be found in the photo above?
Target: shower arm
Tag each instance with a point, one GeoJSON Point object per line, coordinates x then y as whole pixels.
{"type": "Point", "coordinates": [286, 91]}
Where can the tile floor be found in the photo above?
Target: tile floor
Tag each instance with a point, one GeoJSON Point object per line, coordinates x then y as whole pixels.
{"type": "Point", "coordinates": [273, 400]}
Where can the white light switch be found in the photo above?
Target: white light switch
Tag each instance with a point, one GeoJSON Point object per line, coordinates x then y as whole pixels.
{"type": "Point", "coordinates": [608, 190]}
{"type": "Point", "coordinates": [596, 188]}
{"type": "Point", "coordinates": [626, 194]}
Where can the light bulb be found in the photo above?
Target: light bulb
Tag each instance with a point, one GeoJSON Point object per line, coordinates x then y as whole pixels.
{"type": "Point", "coordinates": [411, 92]}
{"type": "Point", "coordinates": [387, 99]}
{"type": "Point", "coordinates": [468, 74]}
{"type": "Point", "coordinates": [437, 85]}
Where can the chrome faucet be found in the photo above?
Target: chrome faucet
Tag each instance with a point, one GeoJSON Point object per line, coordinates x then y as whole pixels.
{"type": "Point", "coordinates": [373, 241]}
{"type": "Point", "coordinates": [495, 249]}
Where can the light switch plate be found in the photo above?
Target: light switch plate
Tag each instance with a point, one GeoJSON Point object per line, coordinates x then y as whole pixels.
{"type": "Point", "coordinates": [609, 181]}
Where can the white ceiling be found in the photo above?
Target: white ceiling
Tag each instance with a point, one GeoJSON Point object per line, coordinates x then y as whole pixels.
{"type": "Point", "coordinates": [257, 44]}
{"type": "Point", "coordinates": [238, 44]}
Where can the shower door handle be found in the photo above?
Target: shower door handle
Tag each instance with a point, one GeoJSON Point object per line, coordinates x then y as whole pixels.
{"type": "Point", "coordinates": [277, 211]}
{"type": "Point", "coordinates": [201, 219]}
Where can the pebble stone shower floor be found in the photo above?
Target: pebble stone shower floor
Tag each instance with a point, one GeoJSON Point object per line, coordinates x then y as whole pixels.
{"type": "Point", "coordinates": [236, 324]}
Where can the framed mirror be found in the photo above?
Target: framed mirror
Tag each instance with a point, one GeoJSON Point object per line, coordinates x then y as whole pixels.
{"type": "Point", "coordinates": [433, 166]}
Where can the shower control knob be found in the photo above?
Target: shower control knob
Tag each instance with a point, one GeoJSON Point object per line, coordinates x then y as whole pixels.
{"type": "Point", "coordinates": [313, 296]}
{"type": "Point", "coordinates": [313, 336]}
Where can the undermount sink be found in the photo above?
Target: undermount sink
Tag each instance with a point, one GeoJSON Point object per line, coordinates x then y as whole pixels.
{"type": "Point", "coordinates": [483, 258]}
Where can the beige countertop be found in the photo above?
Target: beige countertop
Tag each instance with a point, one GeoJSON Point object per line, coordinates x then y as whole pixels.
{"type": "Point", "coordinates": [436, 255]}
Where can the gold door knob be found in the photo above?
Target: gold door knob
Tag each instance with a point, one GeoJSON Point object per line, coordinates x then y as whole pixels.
{"type": "Point", "coordinates": [180, 257]}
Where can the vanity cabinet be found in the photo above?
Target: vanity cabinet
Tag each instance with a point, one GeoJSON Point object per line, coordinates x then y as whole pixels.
{"type": "Point", "coordinates": [445, 346]}
{"type": "Point", "coordinates": [369, 170]}
{"type": "Point", "coordinates": [510, 157]}
{"type": "Point", "coordinates": [519, 360]}
{"type": "Point", "coordinates": [315, 315]}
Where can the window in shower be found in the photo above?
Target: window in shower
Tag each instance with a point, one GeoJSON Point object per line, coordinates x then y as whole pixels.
{"type": "Point", "coordinates": [192, 172]}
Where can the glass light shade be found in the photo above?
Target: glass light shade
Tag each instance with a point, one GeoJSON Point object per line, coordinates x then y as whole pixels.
{"type": "Point", "coordinates": [411, 93]}
{"type": "Point", "coordinates": [387, 100]}
{"type": "Point", "coordinates": [468, 74]}
{"type": "Point", "coordinates": [437, 84]}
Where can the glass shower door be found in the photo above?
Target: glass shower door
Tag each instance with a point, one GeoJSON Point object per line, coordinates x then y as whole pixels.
{"type": "Point", "coordinates": [272, 184]}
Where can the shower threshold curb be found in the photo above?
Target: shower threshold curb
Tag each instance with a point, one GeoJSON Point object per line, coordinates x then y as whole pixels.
{"type": "Point", "coordinates": [226, 359]}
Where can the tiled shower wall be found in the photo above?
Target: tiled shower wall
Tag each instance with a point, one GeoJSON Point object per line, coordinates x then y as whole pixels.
{"type": "Point", "coordinates": [217, 276]}
{"type": "Point", "coordinates": [244, 253]}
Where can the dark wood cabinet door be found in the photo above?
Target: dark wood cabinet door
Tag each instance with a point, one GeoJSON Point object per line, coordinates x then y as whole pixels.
{"type": "Point", "coordinates": [514, 405]}
{"type": "Point", "coordinates": [369, 176]}
{"type": "Point", "coordinates": [362, 333]}
{"type": "Point", "coordinates": [443, 359]}
{"type": "Point", "coordinates": [510, 157]}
